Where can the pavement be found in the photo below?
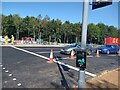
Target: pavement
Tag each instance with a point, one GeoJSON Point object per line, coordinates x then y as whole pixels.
{"type": "Point", "coordinates": [27, 67]}
{"type": "Point", "coordinates": [108, 79]}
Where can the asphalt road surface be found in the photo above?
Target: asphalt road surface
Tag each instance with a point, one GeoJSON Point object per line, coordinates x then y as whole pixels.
{"type": "Point", "coordinates": [27, 67]}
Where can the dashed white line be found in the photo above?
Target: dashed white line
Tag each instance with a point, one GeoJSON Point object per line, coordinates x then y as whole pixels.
{"type": "Point", "coordinates": [69, 66]}
{"type": "Point", "coordinates": [49, 52]}
{"type": "Point", "coordinates": [6, 71]}
{"type": "Point", "coordinates": [14, 79]}
{"type": "Point", "coordinates": [1, 65]}
{"type": "Point", "coordinates": [10, 75]}
{"type": "Point", "coordinates": [65, 58]}
{"type": "Point", "coordinates": [74, 57]}
{"type": "Point", "coordinates": [89, 56]}
{"type": "Point", "coordinates": [19, 84]}
{"type": "Point", "coordinates": [4, 68]}
{"type": "Point", "coordinates": [5, 81]}
{"type": "Point", "coordinates": [111, 55]}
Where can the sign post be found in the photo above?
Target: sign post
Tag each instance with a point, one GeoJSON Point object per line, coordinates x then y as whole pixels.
{"type": "Point", "coordinates": [82, 59]}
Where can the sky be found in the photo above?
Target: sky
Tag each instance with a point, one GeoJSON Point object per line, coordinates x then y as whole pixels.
{"type": "Point", "coordinates": [65, 11]}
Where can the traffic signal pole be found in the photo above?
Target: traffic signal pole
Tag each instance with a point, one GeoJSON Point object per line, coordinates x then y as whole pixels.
{"type": "Point", "coordinates": [81, 75]}
{"type": "Point", "coordinates": [84, 23]}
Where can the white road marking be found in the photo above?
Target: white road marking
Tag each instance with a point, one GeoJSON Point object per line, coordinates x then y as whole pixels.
{"type": "Point", "coordinates": [1, 65]}
{"type": "Point", "coordinates": [30, 52]}
{"type": "Point", "coordinates": [89, 56]}
{"type": "Point", "coordinates": [90, 74]}
{"type": "Point", "coordinates": [49, 52]}
{"type": "Point", "coordinates": [111, 55]}
{"type": "Point", "coordinates": [69, 66]}
{"type": "Point", "coordinates": [19, 84]}
{"type": "Point", "coordinates": [5, 81]}
{"type": "Point", "coordinates": [64, 58]}
{"type": "Point", "coordinates": [3, 68]}
{"type": "Point", "coordinates": [14, 79]}
{"type": "Point", "coordinates": [10, 75]}
{"type": "Point", "coordinates": [6, 71]}
{"type": "Point", "coordinates": [74, 68]}
{"type": "Point", "coordinates": [69, 57]}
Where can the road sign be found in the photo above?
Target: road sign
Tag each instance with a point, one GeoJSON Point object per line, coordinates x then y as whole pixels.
{"type": "Point", "coordinates": [100, 3]}
{"type": "Point", "coordinates": [81, 59]}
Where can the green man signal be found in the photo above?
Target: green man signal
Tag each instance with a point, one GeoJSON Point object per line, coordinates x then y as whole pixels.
{"type": "Point", "coordinates": [81, 59]}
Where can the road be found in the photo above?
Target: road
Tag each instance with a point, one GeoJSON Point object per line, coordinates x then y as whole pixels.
{"type": "Point", "coordinates": [27, 67]}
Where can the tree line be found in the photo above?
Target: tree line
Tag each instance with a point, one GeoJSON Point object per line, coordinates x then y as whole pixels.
{"type": "Point", "coordinates": [54, 30]}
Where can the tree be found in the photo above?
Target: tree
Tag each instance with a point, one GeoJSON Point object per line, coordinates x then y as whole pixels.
{"type": "Point", "coordinates": [77, 29]}
{"type": "Point", "coordinates": [8, 25]}
{"type": "Point", "coordinates": [66, 31]}
{"type": "Point", "coordinates": [54, 30]}
{"type": "Point", "coordinates": [33, 26]}
{"type": "Point", "coordinates": [118, 33]}
{"type": "Point", "coordinates": [17, 21]}
{"type": "Point", "coordinates": [112, 31]}
{"type": "Point", "coordinates": [103, 32]}
{"type": "Point", "coordinates": [93, 34]}
{"type": "Point", "coordinates": [25, 27]}
{"type": "Point", "coordinates": [58, 24]}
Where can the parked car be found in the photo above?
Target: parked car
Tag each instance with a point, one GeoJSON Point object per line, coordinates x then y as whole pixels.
{"type": "Point", "coordinates": [108, 48]}
{"type": "Point", "coordinates": [75, 46]}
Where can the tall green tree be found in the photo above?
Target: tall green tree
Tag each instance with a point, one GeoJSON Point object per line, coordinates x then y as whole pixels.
{"type": "Point", "coordinates": [103, 32]}
{"type": "Point", "coordinates": [77, 29]}
{"type": "Point", "coordinates": [33, 26]}
{"type": "Point", "coordinates": [17, 22]}
{"type": "Point", "coordinates": [26, 26]}
{"type": "Point", "coordinates": [66, 31]}
{"type": "Point", "coordinates": [112, 31]}
{"type": "Point", "coordinates": [93, 34]}
{"type": "Point", "coordinates": [8, 26]}
{"type": "Point", "coordinates": [54, 30]}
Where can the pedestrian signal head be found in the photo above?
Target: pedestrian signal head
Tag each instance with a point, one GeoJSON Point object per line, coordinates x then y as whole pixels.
{"type": "Point", "coordinates": [81, 58]}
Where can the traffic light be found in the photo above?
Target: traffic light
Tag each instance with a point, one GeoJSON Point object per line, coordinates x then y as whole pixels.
{"type": "Point", "coordinates": [100, 3]}
{"type": "Point", "coordinates": [81, 57]}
